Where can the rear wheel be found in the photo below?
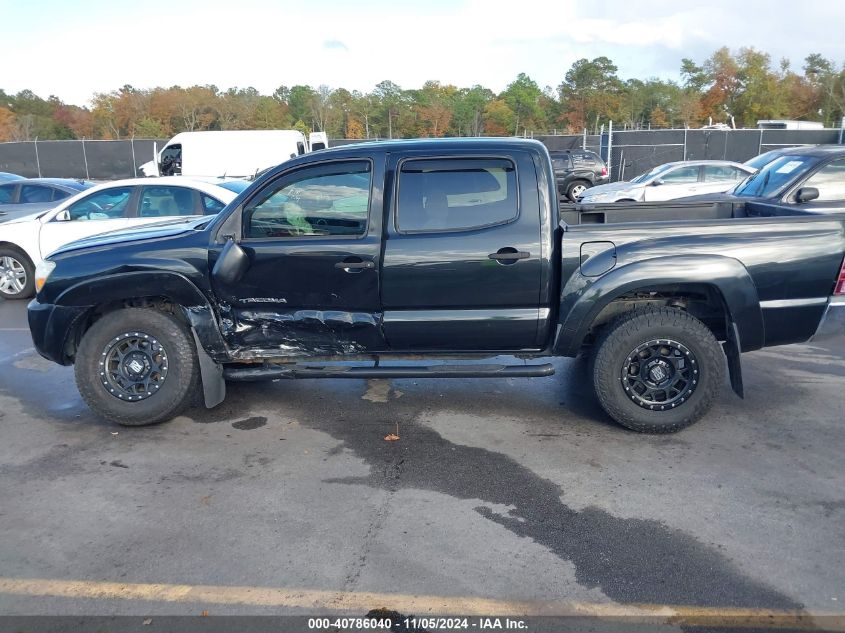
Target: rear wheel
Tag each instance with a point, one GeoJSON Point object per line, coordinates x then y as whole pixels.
{"type": "Point", "coordinates": [17, 274]}
{"type": "Point", "coordinates": [137, 366]}
{"type": "Point", "coordinates": [657, 370]}
{"type": "Point", "coordinates": [576, 188]}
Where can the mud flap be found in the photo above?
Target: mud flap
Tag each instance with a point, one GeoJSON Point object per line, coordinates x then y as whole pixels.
{"type": "Point", "coordinates": [731, 348]}
{"type": "Point", "coordinates": [211, 373]}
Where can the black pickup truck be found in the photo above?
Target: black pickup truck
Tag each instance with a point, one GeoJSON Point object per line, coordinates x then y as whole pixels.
{"type": "Point", "coordinates": [349, 262]}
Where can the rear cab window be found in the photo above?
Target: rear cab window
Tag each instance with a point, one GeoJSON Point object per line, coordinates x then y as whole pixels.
{"type": "Point", "coordinates": [456, 194]}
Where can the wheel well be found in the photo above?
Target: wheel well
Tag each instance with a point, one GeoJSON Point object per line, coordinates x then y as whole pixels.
{"type": "Point", "coordinates": [703, 301]}
{"type": "Point", "coordinates": [84, 323]}
{"type": "Point", "coordinates": [579, 181]}
{"type": "Point", "coordinates": [17, 249]}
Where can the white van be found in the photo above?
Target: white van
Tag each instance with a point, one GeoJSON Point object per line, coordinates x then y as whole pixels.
{"type": "Point", "coordinates": [236, 153]}
{"type": "Point", "coordinates": [784, 124]}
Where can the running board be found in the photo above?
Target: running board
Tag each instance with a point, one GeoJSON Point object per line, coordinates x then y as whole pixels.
{"type": "Point", "coordinates": [274, 372]}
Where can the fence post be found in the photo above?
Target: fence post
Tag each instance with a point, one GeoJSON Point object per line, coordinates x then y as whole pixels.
{"type": "Point", "coordinates": [85, 158]}
{"type": "Point", "coordinates": [37, 160]}
{"type": "Point", "coordinates": [760, 144]}
{"type": "Point", "coordinates": [685, 142]}
{"type": "Point", "coordinates": [610, 148]}
{"type": "Point", "coordinates": [134, 166]}
{"type": "Point", "coordinates": [584, 143]}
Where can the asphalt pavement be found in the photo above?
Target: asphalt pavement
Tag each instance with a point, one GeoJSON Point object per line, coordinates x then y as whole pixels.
{"type": "Point", "coordinates": [504, 495]}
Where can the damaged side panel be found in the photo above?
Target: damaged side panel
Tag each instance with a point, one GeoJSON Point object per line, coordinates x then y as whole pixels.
{"type": "Point", "coordinates": [257, 332]}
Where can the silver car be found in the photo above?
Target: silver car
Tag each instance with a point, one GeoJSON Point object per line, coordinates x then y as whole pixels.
{"type": "Point", "coordinates": [672, 180]}
{"type": "Point", "coordinates": [25, 196]}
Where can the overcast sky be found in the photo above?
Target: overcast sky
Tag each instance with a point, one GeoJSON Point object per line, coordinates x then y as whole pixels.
{"type": "Point", "coordinates": [74, 49]}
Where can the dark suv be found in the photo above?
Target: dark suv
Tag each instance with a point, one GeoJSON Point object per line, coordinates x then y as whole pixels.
{"type": "Point", "coordinates": [576, 170]}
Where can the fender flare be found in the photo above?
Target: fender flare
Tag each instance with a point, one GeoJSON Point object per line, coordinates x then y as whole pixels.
{"type": "Point", "coordinates": [195, 306]}
{"type": "Point", "coordinates": [581, 305]}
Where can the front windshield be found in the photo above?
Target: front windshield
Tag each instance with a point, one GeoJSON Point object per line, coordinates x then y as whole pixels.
{"type": "Point", "coordinates": [652, 173]}
{"type": "Point", "coordinates": [772, 179]}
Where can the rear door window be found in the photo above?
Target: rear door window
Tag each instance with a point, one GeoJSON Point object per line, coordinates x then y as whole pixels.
{"type": "Point", "coordinates": [722, 173]}
{"type": "Point", "coordinates": [458, 194]}
{"type": "Point", "coordinates": [35, 193]}
{"type": "Point", "coordinates": [163, 202]}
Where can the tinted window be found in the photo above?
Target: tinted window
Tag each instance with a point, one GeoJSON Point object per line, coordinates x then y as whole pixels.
{"type": "Point", "coordinates": [585, 160]}
{"type": "Point", "coordinates": [6, 193]}
{"type": "Point", "coordinates": [456, 194]}
{"type": "Point", "coordinates": [829, 180]}
{"type": "Point", "coordinates": [60, 194]}
{"type": "Point", "coordinates": [108, 204]}
{"type": "Point", "coordinates": [720, 173]}
{"type": "Point", "coordinates": [325, 200]}
{"type": "Point", "coordinates": [162, 202]}
{"type": "Point", "coordinates": [210, 205]}
{"type": "Point", "coordinates": [35, 193]}
{"type": "Point", "coordinates": [681, 175]}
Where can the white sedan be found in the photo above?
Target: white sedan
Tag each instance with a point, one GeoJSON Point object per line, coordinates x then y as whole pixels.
{"type": "Point", "coordinates": [672, 180]}
{"type": "Point", "coordinates": [26, 241]}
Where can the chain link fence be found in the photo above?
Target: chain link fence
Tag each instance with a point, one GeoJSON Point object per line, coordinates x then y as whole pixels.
{"type": "Point", "coordinates": [91, 160]}
{"type": "Point", "coordinates": [627, 153]}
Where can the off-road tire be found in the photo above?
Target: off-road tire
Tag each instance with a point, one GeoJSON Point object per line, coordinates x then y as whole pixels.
{"type": "Point", "coordinates": [180, 384]}
{"type": "Point", "coordinates": [636, 328]}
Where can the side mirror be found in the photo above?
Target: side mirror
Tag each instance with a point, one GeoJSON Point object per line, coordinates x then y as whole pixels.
{"type": "Point", "coordinates": [657, 182]}
{"type": "Point", "coordinates": [231, 265]}
{"type": "Point", "coordinates": [806, 194]}
{"type": "Point", "coordinates": [62, 216]}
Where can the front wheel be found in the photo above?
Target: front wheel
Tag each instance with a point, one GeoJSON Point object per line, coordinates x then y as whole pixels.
{"type": "Point", "coordinates": [657, 370]}
{"type": "Point", "coordinates": [137, 366]}
{"type": "Point", "coordinates": [17, 275]}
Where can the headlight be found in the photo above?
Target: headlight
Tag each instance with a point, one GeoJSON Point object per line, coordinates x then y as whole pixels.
{"type": "Point", "coordinates": [42, 271]}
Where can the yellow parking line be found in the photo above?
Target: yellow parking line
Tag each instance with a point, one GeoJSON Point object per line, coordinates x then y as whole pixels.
{"type": "Point", "coordinates": [319, 601]}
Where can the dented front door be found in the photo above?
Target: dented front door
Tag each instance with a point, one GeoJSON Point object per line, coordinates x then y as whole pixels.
{"type": "Point", "coordinates": [312, 237]}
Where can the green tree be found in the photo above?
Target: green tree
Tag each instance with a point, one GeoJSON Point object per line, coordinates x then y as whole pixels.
{"type": "Point", "coordinates": [523, 98]}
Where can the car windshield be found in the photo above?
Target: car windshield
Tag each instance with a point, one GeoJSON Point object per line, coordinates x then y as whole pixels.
{"type": "Point", "coordinates": [758, 162]}
{"type": "Point", "coordinates": [234, 185]}
{"type": "Point", "coordinates": [650, 174]}
{"type": "Point", "coordinates": [772, 179]}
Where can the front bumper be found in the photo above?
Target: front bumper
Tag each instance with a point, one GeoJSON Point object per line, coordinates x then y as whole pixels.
{"type": "Point", "coordinates": [833, 321]}
{"type": "Point", "coordinates": [51, 327]}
